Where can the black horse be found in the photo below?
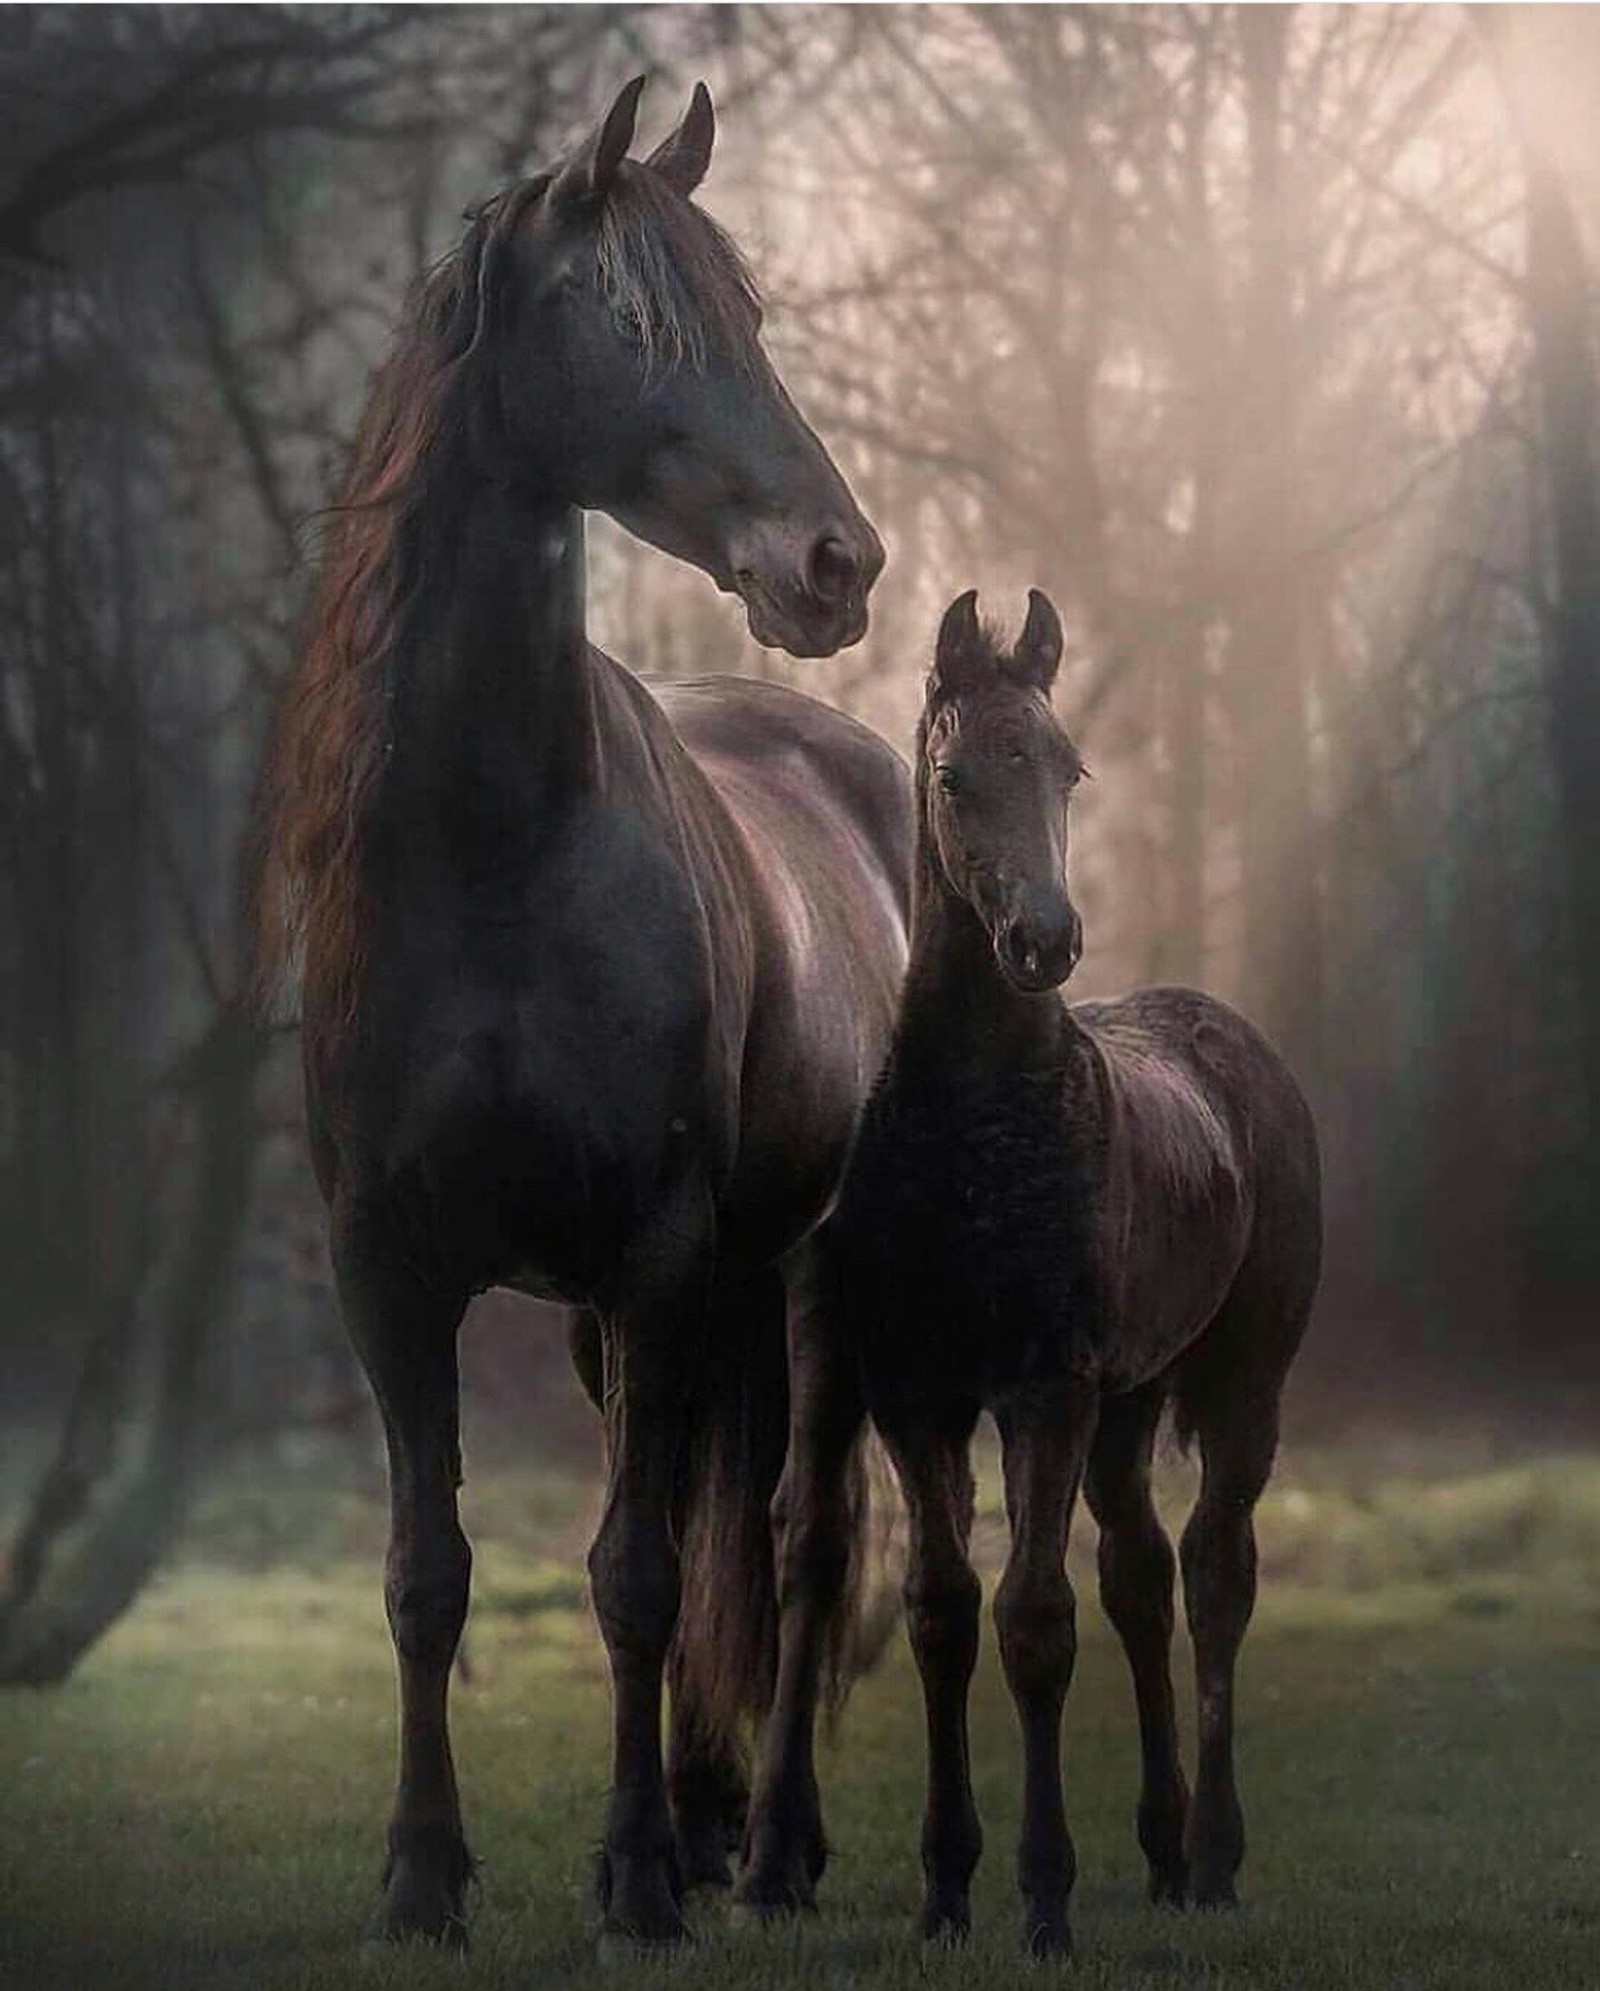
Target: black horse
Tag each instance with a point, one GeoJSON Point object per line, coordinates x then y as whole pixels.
{"type": "Point", "coordinates": [595, 977]}
{"type": "Point", "coordinates": [1070, 1217]}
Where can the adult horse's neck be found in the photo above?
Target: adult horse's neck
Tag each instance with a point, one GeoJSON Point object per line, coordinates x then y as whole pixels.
{"type": "Point", "coordinates": [492, 725]}
{"type": "Point", "coordinates": [959, 1016]}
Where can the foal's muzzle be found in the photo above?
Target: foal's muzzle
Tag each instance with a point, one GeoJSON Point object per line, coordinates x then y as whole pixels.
{"type": "Point", "coordinates": [1037, 951]}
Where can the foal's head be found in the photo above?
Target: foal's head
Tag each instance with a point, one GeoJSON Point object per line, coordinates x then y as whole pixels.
{"type": "Point", "coordinates": [629, 378]}
{"type": "Point", "coordinates": [994, 777]}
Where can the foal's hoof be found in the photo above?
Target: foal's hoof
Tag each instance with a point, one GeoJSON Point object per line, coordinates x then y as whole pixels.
{"type": "Point", "coordinates": [1169, 1885]}
{"type": "Point", "coordinates": [1215, 1892]}
{"type": "Point", "coordinates": [1047, 1937]}
{"type": "Point", "coordinates": [424, 1893]}
{"type": "Point", "coordinates": [772, 1897]}
{"type": "Point", "coordinates": [704, 1859]}
{"type": "Point", "coordinates": [945, 1928]}
{"type": "Point", "coordinates": [619, 1949]}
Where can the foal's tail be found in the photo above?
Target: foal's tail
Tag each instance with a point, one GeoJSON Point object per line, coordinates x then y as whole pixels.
{"type": "Point", "coordinates": [725, 1660]}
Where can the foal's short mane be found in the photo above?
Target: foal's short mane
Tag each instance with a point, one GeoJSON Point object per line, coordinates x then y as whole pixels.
{"type": "Point", "coordinates": [679, 289]}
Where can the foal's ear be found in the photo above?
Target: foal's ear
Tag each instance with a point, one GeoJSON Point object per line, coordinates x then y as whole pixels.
{"type": "Point", "coordinates": [683, 155]}
{"type": "Point", "coordinates": [961, 657]}
{"type": "Point", "coordinates": [1037, 656]}
{"type": "Point", "coordinates": [586, 178]}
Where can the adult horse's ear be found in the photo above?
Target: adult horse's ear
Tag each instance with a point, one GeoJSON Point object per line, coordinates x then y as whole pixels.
{"type": "Point", "coordinates": [1037, 656]}
{"type": "Point", "coordinates": [961, 657]}
{"type": "Point", "coordinates": [683, 155]}
{"type": "Point", "coordinates": [585, 180]}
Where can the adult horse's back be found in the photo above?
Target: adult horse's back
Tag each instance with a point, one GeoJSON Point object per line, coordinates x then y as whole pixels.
{"type": "Point", "coordinates": [595, 978]}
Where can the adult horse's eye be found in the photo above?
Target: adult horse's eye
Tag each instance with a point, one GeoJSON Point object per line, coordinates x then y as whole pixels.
{"type": "Point", "coordinates": [948, 778]}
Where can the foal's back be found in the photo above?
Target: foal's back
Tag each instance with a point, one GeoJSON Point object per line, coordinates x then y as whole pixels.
{"type": "Point", "coordinates": [1209, 1175]}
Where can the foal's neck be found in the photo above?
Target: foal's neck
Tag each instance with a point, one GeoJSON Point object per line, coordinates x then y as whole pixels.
{"type": "Point", "coordinates": [959, 1016]}
{"type": "Point", "coordinates": [493, 727]}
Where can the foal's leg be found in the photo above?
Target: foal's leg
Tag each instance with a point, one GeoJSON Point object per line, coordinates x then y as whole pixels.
{"type": "Point", "coordinates": [1045, 1437]}
{"type": "Point", "coordinates": [653, 1350]}
{"type": "Point", "coordinates": [942, 1599]}
{"type": "Point", "coordinates": [1238, 1438]}
{"type": "Point", "coordinates": [404, 1329]}
{"type": "Point", "coordinates": [1137, 1568]}
{"type": "Point", "coordinates": [785, 1850]}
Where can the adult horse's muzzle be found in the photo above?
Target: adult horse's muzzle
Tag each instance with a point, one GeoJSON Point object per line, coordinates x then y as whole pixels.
{"type": "Point", "coordinates": [809, 599]}
{"type": "Point", "coordinates": [1039, 945]}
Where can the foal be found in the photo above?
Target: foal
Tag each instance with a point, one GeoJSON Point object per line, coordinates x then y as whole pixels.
{"type": "Point", "coordinates": [1068, 1217]}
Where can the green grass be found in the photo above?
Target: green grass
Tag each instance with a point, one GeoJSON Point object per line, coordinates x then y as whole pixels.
{"type": "Point", "coordinates": [203, 1804]}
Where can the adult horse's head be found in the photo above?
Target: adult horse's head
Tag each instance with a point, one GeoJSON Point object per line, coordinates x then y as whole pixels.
{"type": "Point", "coordinates": [995, 773]}
{"type": "Point", "coordinates": [623, 331]}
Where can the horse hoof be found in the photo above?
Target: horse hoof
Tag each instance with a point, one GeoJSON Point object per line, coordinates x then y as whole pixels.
{"type": "Point", "coordinates": [1048, 1938]}
{"type": "Point", "coordinates": [1217, 1896]}
{"type": "Point", "coordinates": [619, 1949]}
{"type": "Point", "coordinates": [945, 1929]}
{"type": "Point", "coordinates": [703, 1862]}
{"type": "Point", "coordinates": [779, 1896]}
{"type": "Point", "coordinates": [418, 1907]}
{"type": "Point", "coordinates": [1169, 1886]}
{"type": "Point", "coordinates": [761, 1906]}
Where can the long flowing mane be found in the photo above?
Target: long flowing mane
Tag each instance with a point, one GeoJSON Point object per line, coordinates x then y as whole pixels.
{"type": "Point", "coordinates": [677, 287]}
{"type": "Point", "coordinates": [327, 756]}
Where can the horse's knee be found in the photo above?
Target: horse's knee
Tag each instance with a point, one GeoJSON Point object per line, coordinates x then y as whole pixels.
{"type": "Point", "coordinates": [814, 1548]}
{"type": "Point", "coordinates": [635, 1582]}
{"type": "Point", "coordinates": [426, 1599]}
{"type": "Point", "coordinates": [1218, 1554]}
{"type": "Point", "coordinates": [1035, 1615]}
{"type": "Point", "coordinates": [942, 1618]}
{"type": "Point", "coordinates": [1137, 1570]}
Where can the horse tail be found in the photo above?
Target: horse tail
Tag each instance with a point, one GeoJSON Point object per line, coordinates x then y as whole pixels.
{"type": "Point", "coordinates": [870, 1606]}
{"type": "Point", "coordinates": [725, 1656]}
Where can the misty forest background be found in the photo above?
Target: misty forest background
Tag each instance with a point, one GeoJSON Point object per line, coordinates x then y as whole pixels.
{"type": "Point", "coordinates": [1262, 337]}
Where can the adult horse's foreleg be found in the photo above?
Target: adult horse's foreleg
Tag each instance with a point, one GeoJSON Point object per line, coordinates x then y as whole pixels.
{"type": "Point", "coordinates": [1238, 1432]}
{"type": "Point", "coordinates": [785, 1849]}
{"type": "Point", "coordinates": [654, 1348]}
{"type": "Point", "coordinates": [942, 1595]}
{"type": "Point", "coordinates": [1045, 1437]}
{"type": "Point", "coordinates": [1137, 1570]}
{"type": "Point", "coordinates": [404, 1327]}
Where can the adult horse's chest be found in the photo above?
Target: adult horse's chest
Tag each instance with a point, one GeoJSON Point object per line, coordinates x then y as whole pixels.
{"type": "Point", "coordinates": [545, 1065]}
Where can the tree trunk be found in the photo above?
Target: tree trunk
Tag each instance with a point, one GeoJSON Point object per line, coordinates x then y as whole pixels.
{"type": "Point", "coordinates": [115, 1491]}
{"type": "Point", "coordinates": [1282, 912]}
{"type": "Point", "coordinates": [1564, 368]}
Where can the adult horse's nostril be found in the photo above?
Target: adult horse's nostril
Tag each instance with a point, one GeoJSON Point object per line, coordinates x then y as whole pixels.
{"type": "Point", "coordinates": [834, 570]}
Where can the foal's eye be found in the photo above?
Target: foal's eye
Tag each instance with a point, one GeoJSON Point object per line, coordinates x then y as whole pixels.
{"type": "Point", "coordinates": [948, 778]}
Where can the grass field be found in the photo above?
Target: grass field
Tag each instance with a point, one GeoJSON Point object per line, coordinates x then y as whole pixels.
{"type": "Point", "coordinates": [203, 1804]}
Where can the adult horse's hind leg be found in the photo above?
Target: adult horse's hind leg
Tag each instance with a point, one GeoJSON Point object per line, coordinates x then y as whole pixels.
{"type": "Point", "coordinates": [1137, 1570]}
{"type": "Point", "coordinates": [1045, 1437]}
{"type": "Point", "coordinates": [1238, 1433]}
{"type": "Point", "coordinates": [404, 1329]}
